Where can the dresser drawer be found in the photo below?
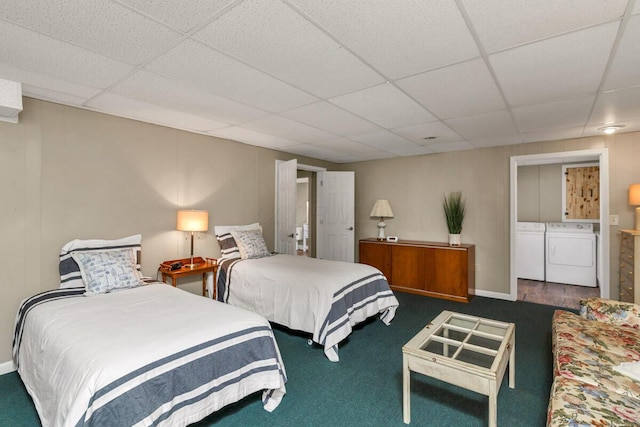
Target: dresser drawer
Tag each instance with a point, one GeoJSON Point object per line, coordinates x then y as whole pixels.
{"type": "Point", "coordinates": [626, 242]}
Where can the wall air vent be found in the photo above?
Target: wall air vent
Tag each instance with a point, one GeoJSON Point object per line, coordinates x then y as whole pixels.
{"type": "Point", "coordinates": [10, 100]}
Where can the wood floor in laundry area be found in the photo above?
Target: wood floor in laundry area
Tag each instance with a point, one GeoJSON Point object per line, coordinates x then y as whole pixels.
{"type": "Point", "coordinates": [556, 294]}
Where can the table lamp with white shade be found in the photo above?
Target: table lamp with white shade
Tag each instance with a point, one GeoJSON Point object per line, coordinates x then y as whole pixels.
{"type": "Point", "coordinates": [634, 200]}
{"type": "Point", "coordinates": [381, 209]}
{"type": "Point", "coordinates": [192, 220]}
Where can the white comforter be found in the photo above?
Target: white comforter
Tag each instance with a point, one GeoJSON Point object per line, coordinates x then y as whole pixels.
{"type": "Point", "coordinates": [325, 298]}
{"type": "Point", "coordinates": [153, 354]}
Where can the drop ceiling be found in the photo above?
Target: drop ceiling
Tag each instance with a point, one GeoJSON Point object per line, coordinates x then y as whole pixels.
{"type": "Point", "coordinates": [337, 80]}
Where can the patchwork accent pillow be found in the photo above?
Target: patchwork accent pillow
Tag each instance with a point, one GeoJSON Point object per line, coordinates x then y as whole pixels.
{"type": "Point", "coordinates": [70, 275]}
{"type": "Point", "coordinates": [251, 244]}
{"type": "Point", "coordinates": [228, 246]}
{"type": "Point", "coordinates": [107, 271]}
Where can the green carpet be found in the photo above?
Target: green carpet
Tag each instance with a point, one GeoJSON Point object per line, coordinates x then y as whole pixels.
{"type": "Point", "coordinates": [365, 387]}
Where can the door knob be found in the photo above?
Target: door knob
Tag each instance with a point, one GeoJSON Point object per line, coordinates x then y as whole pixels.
{"type": "Point", "coordinates": [350, 228]}
{"type": "Point", "coordinates": [291, 235]}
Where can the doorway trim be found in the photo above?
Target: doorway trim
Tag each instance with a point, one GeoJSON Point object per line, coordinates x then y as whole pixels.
{"type": "Point", "coordinates": [599, 154]}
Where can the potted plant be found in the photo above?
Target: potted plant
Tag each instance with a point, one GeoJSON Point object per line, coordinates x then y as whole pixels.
{"type": "Point", "coordinates": [454, 210]}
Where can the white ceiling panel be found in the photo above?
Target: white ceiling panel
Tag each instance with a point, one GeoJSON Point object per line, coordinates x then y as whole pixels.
{"type": "Point", "coordinates": [290, 129]}
{"type": "Point", "coordinates": [217, 73]}
{"type": "Point", "coordinates": [274, 38]}
{"type": "Point", "coordinates": [617, 107]}
{"type": "Point", "coordinates": [33, 52]}
{"type": "Point", "coordinates": [398, 41]}
{"type": "Point", "coordinates": [428, 133]}
{"type": "Point", "coordinates": [387, 141]}
{"type": "Point", "coordinates": [260, 139]}
{"type": "Point", "coordinates": [459, 90]}
{"type": "Point", "coordinates": [138, 110]}
{"type": "Point", "coordinates": [503, 24]}
{"type": "Point", "coordinates": [102, 27]}
{"type": "Point", "coordinates": [564, 66]}
{"type": "Point", "coordinates": [482, 126]}
{"type": "Point", "coordinates": [341, 80]}
{"type": "Point", "coordinates": [625, 70]}
{"type": "Point", "coordinates": [554, 115]}
{"type": "Point", "coordinates": [329, 117]}
{"type": "Point", "coordinates": [384, 105]}
{"type": "Point", "coordinates": [152, 88]}
{"type": "Point", "coordinates": [553, 135]}
{"type": "Point", "coordinates": [182, 15]}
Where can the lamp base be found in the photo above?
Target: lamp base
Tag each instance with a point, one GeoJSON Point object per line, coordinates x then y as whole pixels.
{"type": "Point", "coordinates": [381, 227]}
{"type": "Point", "coordinates": [638, 219]}
{"type": "Point", "coordinates": [191, 266]}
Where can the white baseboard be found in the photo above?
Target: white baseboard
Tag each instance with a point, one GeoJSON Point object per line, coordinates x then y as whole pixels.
{"type": "Point", "coordinates": [7, 367]}
{"type": "Point", "coordinates": [496, 295]}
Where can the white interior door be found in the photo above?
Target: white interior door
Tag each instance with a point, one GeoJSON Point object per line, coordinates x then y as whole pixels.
{"type": "Point", "coordinates": [286, 175]}
{"type": "Point", "coordinates": [335, 210]}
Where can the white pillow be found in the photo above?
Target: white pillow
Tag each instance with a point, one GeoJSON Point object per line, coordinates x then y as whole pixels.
{"type": "Point", "coordinates": [250, 243]}
{"type": "Point", "coordinates": [107, 271]}
{"type": "Point", "coordinates": [228, 246]}
{"type": "Point", "coordinates": [70, 276]}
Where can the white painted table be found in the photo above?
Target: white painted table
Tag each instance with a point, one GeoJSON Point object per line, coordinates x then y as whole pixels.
{"type": "Point", "coordinates": [463, 350]}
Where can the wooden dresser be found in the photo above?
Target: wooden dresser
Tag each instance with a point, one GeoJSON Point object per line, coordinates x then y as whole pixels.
{"type": "Point", "coordinates": [425, 268]}
{"type": "Point", "coordinates": [629, 266]}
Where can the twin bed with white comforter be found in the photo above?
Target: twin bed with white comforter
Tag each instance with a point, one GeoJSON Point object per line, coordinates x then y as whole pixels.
{"type": "Point", "coordinates": [320, 297]}
{"type": "Point", "coordinates": [108, 349]}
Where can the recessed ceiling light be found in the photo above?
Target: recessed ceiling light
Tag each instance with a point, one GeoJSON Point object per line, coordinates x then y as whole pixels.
{"type": "Point", "coordinates": [610, 129]}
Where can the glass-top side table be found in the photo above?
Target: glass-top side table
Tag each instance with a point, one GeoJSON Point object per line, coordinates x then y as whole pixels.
{"type": "Point", "coordinates": [467, 351]}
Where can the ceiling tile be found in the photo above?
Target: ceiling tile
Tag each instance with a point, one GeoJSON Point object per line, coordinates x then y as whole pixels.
{"type": "Point", "coordinates": [446, 147]}
{"type": "Point", "coordinates": [275, 39]}
{"type": "Point", "coordinates": [130, 108]}
{"type": "Point", "coordinates": [384, 105]}
{"type": "Point", "coordinates": [553, 135]}
{"type": "Point", "coordinates": [316, 152]}
{"type": "Point", "coordinates": [503, 24]}
{"type": "Point", "coordinates": [418, 133]}
{"type": "Point", "coordinates": [387, 141]}
{"type": "Point", "coordinates": [481, 126]}
{"type": "Point", "coordinates": [33, 52]}
{"type": "Point", "coordinates": [553, 115]}
{"type": "Point", "coordinates": [182, 15]}
{"type": "Point", "coordinates": [217, 73]}
{"type": "Point", "coordinates": [237, 133]}
{"type": "Point", "coordinates": [565, 66]}
{"type": "Point", "coordinates": [47, 94]}
{"type": "Point", "coordinates": [497, 141]}
{"type": "Point", "coordinates": [346, 146]}
{"type": "Point", "coordinates": [102, 27]}
{"type": "Point", "coordinates": [287, 128]}
{"type": "Point", "coordinates": [329, 117]}
{"type": "Point", "coordinates": [459, 90]}
{"type": "Point", "coordinates": [626, 63]}
{"type": "Point", "coordinates": [399, 41]}
{"type": "Point", "coordinates": [154, 89]}
{"type": "Point", "coordinates": [617, 106]}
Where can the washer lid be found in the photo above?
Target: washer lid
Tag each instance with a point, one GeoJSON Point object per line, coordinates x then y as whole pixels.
{"type": "Point", "coordinates": [569, 227]}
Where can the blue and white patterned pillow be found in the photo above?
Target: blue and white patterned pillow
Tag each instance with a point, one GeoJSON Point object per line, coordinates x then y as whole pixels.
{"type": "Point", "coordinates": [250, 243]}
{"type": "Point", "coordinates": [107, 271]}
{"type": "Point", "coordinates": [70, 276]}
{"type": "Point", "coordinates": [228, 246]}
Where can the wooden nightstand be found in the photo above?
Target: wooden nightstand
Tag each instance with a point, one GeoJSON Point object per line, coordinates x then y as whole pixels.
{"type": "Point", "coordinates": [202, 267]}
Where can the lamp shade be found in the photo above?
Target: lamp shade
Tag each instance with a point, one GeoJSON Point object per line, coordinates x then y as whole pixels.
{"type": "Point", "coordinates": [381, 209]}
{"type": "Point", "coordinates": [634, 194]}
{"type": "Point", "coordinates": [192, 220]}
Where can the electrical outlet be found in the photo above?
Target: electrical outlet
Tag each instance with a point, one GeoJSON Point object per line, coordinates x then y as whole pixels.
{"type": "Point", "coordinates": [614, 220]}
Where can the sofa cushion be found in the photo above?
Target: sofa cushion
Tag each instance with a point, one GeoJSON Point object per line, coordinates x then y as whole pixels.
{"type": "Point", "coordinates": [589, 351]}
{"type": "Point", "coordinates": [574, 403]}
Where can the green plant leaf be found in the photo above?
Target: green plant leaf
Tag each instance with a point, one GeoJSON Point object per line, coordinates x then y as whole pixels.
{"type": "Point", "coordinates": [454, 210]}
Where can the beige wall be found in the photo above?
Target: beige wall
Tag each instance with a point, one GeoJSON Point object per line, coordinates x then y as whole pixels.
{"type": "Point", "coordinates": [540, 193]}
{"type": "Point", "coordinates": [415, 187]}
{"type": "Point", "coordinates": [68, 173]}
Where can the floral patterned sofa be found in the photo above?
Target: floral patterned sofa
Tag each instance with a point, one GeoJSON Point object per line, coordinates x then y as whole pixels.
{"type": "Point", "coordinates": [589, 353]}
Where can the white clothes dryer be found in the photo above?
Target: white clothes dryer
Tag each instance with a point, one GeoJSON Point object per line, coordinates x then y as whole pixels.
{"type": "Point", "coordinates": [571, 253]}
{"type": "Point", "coordinates": [530, 250]}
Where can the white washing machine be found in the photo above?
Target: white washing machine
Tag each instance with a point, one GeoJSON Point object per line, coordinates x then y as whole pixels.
{"type": "Point", "coordinates": [530, 250]}
{"type": "Point", "coordinates": [571, 253]}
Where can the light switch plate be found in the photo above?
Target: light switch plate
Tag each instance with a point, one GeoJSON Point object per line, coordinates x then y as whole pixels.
{"type": "Point", "coordinates": [614, 220]}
